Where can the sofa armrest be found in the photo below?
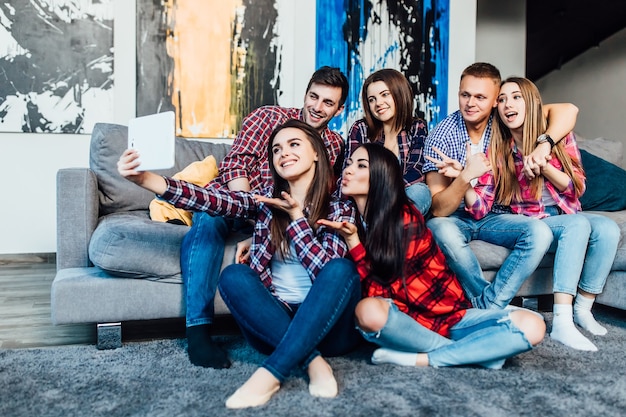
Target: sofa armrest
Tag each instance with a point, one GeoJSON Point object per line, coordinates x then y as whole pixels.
{"type": "Point", "coordinates": [77, 216]}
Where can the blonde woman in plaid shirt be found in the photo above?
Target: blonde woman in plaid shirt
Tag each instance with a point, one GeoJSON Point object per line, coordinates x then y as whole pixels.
{"type": "Point", "coordinates": [584, 244]}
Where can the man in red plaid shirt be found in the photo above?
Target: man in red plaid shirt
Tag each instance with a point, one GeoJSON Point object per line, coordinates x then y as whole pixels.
{"type": "Point", "coordinates": [246, 168]}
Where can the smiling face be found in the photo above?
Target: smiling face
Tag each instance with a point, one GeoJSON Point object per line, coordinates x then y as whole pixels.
{"type": "Point", "coordinates": [381, 102]}
{"type": "Point", "coordinates": [293, 155]}
{"type": "Point", "coordinates": [355, 180]}
{"type": "Point", "coordinates": [512, 106]}
{"type": "Point", "coordinates": [477, 97]}
{"type": "Point", "coordinates": [321, 104]}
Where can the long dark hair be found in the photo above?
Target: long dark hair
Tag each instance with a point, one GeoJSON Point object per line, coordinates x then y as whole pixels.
{"type": "Point", "coordinates": [387, 238]}
{"type": "Point", "coordinates": [317, 199]}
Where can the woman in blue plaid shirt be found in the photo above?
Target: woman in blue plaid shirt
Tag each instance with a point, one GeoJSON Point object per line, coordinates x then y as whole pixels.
{"type": "Point", "coordinates": [387, 100]}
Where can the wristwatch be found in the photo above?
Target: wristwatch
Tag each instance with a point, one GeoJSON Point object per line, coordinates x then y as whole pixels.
{"type": "Point", "coordinates": [546, 138]}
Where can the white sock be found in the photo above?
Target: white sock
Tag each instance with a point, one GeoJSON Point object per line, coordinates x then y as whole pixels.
{"type": "Point", "coordinates": [564, 330]}
{"type": "Point", "coordinates": [584, 318]}
{"type": "Point", "coordinates": [396, 357]}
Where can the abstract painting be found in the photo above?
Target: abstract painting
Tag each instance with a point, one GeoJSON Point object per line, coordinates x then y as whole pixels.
{"type": "Point", "coordinates": [56, 65]}
{"type": "Point", "coordinates": [361, 36]}
{"type": "Point", "coordinates": [211, 62]}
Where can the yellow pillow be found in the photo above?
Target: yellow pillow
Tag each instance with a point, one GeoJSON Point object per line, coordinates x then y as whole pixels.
{"type": "Point", "coordinates": [199, 173]}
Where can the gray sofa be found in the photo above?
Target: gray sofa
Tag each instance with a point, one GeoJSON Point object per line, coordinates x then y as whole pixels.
{"type": "Point", "coordinates": [114, 264]}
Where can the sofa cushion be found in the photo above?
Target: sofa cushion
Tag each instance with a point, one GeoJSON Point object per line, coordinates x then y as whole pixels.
{"type": "Point", "coordinates": [132, 245]}
{"type": "Point", "coordinates": [607, 149]}
{"type": "Point", "coordinates": [606, 184]}
{"type": "Point", "coordinates": [199, 173]}
{"type": "Point", "coordinates": [108, 141]}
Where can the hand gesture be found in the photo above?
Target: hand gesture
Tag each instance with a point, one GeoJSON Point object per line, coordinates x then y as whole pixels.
{"type": "Point", "coordinates": [286, 204]}
{"type": "Point", "coordinates": [345, 229]}
{"type": "Point", "coordinates": [242, 253]}
{"type": "Point", "coordinates": [476, 165]}
{"type": "Point", "coordinates": [447, 166]}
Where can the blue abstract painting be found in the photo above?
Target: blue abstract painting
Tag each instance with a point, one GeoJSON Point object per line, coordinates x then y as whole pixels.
{"type": "Point", "coordinates": [411, 36]}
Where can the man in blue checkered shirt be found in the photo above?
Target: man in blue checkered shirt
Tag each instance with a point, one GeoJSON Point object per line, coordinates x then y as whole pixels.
{"type": "Point", "coordinates": [456, 155]}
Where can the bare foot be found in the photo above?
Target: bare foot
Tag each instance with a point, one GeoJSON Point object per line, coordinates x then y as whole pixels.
{"type": "Point", "coordinates": [256, 391]}
{"type": "Point", "coordinates": [322, 382]}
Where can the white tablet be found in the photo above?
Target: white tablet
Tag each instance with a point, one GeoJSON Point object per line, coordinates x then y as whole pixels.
{"type": "Point", "coordinates": [153, 136]}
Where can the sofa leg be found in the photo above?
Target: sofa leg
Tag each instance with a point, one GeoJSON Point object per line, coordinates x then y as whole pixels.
{"type": "Point", "coordinates": [545, 302]}
{"type": "Point", "coordinates": [109, 335]}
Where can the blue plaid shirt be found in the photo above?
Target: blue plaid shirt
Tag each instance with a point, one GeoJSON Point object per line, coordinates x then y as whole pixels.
{"type": "Point", "coordinates": [450, 136]}
{"type": "Point", "coordinates": [314, 248]}
{"type": "Point", "coordinates": [410, 147]}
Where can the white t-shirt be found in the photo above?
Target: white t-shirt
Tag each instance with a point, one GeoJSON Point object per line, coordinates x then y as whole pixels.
{"type": "Point", "coordinates": [290, 279]}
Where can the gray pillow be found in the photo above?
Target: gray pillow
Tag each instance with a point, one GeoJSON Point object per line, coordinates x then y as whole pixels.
{"type": "Point", "coordinates": [108, 141]}
{"type": "Point", "coordinates": [132, 245]}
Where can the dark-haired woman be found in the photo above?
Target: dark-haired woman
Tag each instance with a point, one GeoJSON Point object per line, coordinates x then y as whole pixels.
{"type": "Point", "coordinates": [414, 306]}
{"type": "Point", "coordinates": [387, 100]}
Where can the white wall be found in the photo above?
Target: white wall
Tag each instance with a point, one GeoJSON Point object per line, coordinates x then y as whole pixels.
{"type": "Point", "coordinates": [501, 35]}
{"type": "Point", "coordinates": [596, 82]}
{"type": "Point", "coordinates": [29, 162]}
{"type": "Point", "coordinates": [491, 31]}
{"type": "Point", "coordinates": [462, 45]}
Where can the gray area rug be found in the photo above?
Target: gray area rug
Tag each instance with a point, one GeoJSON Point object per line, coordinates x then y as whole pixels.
{"type": "Point", "coordinates": [155, 378]}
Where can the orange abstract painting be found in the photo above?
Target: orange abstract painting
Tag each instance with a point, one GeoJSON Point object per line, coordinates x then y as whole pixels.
{"type": "Point", "coordinates": [211, 62]}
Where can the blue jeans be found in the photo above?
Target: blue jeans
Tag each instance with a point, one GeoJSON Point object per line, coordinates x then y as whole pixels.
{"type": "Point", "coordinates": [571, 235]}
{"type": "Point", "coordinates": [419, 193]}
{"type": "Point", "coordinates": [201, 255]}
{"type": "Point", "coordinates": [482, 337]}
{"type": "Point", "coordinates": [601, 251]}
{"type": "Point", "coordinates": [294, 335]}
{"type": "Point", "coordinates": [584, 248]}
{"type": "Point", "coordinates": [528, 239]}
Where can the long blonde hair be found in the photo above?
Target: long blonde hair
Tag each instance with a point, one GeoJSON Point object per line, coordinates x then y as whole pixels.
{"type": "Point", "coordinates": [501, 155]}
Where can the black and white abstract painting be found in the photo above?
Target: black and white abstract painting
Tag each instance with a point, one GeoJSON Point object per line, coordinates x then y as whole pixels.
{"type": "Point", "coordinates": [56, 65]}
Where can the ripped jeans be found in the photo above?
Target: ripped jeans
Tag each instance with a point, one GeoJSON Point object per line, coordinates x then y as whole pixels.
{"type": "Point", "coordinates": [482, 337]}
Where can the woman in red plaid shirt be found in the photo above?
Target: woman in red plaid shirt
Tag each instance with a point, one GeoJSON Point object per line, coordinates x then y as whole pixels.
{"type": "Point", "coordinates": [414, 306]}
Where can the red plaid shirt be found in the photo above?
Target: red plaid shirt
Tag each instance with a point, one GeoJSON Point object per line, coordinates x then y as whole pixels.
{"type": "Point", "coordinates": [248, 157]}
{"type": "Point", "coordinates": [431, 294]}
{"type": "Point", "coordinates": [314, 248]}
{"type": "Point", "coordinates": [529, 205]}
